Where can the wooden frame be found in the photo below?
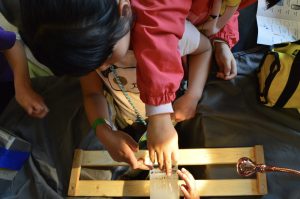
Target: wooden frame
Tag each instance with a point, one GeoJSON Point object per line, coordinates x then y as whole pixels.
{"type": "Point", "coordinates": [141, 188]}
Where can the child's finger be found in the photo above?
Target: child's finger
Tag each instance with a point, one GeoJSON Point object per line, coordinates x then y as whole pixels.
{"type": "Point", "coordinates": [233, 70]}
{"type": "Point", "coordinates": [39, 111]}
{"type": "Point", "coordinates": [226, 67]}
{"type": "Point", "coordinates": [29, 110]}
{"type": "Point", "coordinates": [168, 163]}
{"type": "Point", "coordinates": [175, 156]}
{"type": "Point", "coordinates": [131, 159]}
{"type": "Point", "coordinates": [220, 75]}
{"type": "Point", "coordinates": [39, 114]}
{"type": "Point", "coordinates": [189, 175]}
{"type": "Point", "coordinates": [227, 71]}
{"type": "Point", "coordinates": [43, 113]}
{"type": "Point", "coordinates": [151, 155]}
{"type": "Point", "coordinates": [160, 160]}
{"type": "Point", "coordinates": [46, 109]}
{"type": "Point", "coordinates": [185, 191]}
{"type": "Point", "coordinates": [144, 165]}
{"type": "Point", "coordinates": [37, 107]}
{"type": "Point", "coordinates": [185, 178]}
{"type": "Point", "coordinates": [180, 174]}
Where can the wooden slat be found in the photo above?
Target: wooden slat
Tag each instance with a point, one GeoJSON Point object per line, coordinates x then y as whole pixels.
{"type": "Point", "coordinates": [260, 177]}
{"type": "Point", "coordinates": [75, 173]}
{"type": "Point", "coordinates": [186, 156]}
{"type": "Point", "coordinates": [141, 188]}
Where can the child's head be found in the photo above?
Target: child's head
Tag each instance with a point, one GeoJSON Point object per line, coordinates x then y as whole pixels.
{"type": "Point", "coordinates": [76, 36]}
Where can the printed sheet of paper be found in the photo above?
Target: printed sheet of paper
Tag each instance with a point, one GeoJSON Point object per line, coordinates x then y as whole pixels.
{"type": "Point", "coordinates": [281, 23]}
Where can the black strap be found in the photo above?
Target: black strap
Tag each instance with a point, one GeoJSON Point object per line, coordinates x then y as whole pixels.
{"type": "Point", "coordinates": [292, 83]}
{"type": "Point", "coordinates": [273, 71]}
{"type": "Point", "coordinates": [280, 45]}
{"type": "Point", "coordinates": [297, 42]}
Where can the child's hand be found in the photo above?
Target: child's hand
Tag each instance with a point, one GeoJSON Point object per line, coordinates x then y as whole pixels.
{"type": "Point", "coordinates": [32, 102]}
{"type": "Point", "coordinates": [121, 148]}
{"type": "Point", "coordinates": [162, 141]}
{"type": "Point", "coordinates": [185, 107]}
{"type": "Point", "coordinates": [188, 189]}
{"type": "Point", "coordinates": [225, 61]}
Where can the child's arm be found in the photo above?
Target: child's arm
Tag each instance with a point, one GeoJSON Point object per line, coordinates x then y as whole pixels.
{"type": "Point", "coordinates": [219, 18]}
{"type": "Point", "coordinates": [230, 7]}
{"type": "Point", "coordinates": [32, 102]}
{"type": "Point", "coordinates": [199, 65]}
{"type": "Point", "coordinates": [188, 189]}
{"type": "Point", "coordinates": [210, 26]}
{"type": "Point", "coordinates": [120, 145]}
{"type": "Point", "coordinates": [223, 32]}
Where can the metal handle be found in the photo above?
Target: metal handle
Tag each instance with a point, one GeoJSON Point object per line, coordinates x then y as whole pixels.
{"type": "Point", "coordinates": [246, 168]}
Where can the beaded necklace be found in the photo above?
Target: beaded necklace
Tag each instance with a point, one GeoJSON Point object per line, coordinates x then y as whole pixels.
{"type": "Point", "coordinates": [125, 93]}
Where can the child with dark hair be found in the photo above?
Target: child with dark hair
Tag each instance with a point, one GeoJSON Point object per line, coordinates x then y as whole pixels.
{"type": "Point", "coordinates": [122, 95]}
{"type": "Point", "coordinates": [97, 33]}
{"type": "Point", "coordinates": [74, 42]}
{"type": "Point", "coordinates": [90, 35]}
{"type": "Point", "coordinates": [14, 71]}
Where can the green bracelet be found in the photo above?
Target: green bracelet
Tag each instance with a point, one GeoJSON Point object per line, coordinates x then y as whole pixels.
{"type": "Point", "coordinates": [98, 121]}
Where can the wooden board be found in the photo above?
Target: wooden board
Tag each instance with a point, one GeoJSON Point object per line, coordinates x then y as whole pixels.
{"type": "Point", "coordinates": [141, 188]}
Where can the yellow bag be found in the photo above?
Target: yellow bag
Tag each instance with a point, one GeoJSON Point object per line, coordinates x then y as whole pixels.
{"type": "Point", "coordinates": [279, 76]}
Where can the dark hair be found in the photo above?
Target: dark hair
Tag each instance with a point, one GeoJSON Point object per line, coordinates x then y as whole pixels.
{"type": "Point", "coordinates": [72, 37]}
{"type": "Point", "coordinates": [271, 3]}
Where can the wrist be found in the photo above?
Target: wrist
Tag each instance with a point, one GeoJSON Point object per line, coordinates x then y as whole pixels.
{"type": "Point", "coordinates": [103, 133]}
{"type": "Point", "coordinates": [160, 118]}
{"type": "Point", "coordinates": [194, 95]}
{"type": "Point", "coordinates": [98, 122]}
{"type": "Point", "coordinates": [22, 86]}
{"type": "Point", "coordinates": [101, 126]}
{"type": "Point", "coordinates": [219, 43]}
